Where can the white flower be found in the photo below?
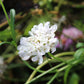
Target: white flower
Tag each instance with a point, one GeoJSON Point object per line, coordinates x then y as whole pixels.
{"type": "Point", "coordinates": [43, 29]}
{"type": "Point", "coordinates": [41, 41]}
{"type": "Point", "coordinates": [2, 67]}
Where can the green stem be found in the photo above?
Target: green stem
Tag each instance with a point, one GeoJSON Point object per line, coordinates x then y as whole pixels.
{"type": "Point", "coordinates": [55, 57]}
{"type": "Point", "coordinates": [44, 63]}
{"type": "Point", "coordinates": [31, 80]}
{"type": "Point", "coordinates": [5, 12]}
{"type": "Point", "coordinates": [4, 43]}
{"type": "Point", "coordinates": [56, 74]}
{"type": "Point", "coordinates": [59, 70]}
{"type": "Point", "coordinates": [28, 65]}
{"type": "Point", "coordinates": [11, 23]}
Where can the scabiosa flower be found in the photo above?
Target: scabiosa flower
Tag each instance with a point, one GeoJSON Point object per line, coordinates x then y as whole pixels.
{"type": "Point", "coordinates": [73, 33]}
{"type": "Point", "coordinates": [41, 41]}
{"type": "Point", "coordinates": [68, 36]}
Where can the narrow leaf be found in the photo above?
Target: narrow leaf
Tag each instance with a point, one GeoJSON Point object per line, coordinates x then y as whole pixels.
{"type": "Point", "coordinates": [79, 53]}
{"type": "Point", "coordinates": [4, 43]}
{"type": "Point", "coordinates": [31, 67]}
{"type": "Point", "coordinates": [12, 21]}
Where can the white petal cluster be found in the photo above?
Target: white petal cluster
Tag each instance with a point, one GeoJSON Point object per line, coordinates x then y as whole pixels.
{"type": "Point", "coordinates": [41, 41]}
{"type": "Point", "coordinates": [2, 67]}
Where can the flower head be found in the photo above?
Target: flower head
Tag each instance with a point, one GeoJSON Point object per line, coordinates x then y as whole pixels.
{"type": "Point", "coordinates": [41, 41]}
{"type": "Point", "coordinates": [68, 36]}
{"type": "Point", "coordinates": [73, 33]}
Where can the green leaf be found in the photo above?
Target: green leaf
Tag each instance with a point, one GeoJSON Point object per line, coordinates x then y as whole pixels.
{"type": "Point", "coordinates": [12, 21]}
{"type": "Point", "coordinates": [74, 79]}
{"type": "Point", "coordinates": [4, 10]}
{"type": "Point", "coordinates": [79, 45]}
{"type": "Point", "coordinates": [5, 34]}
{"type": "Point", "coordinates": [79, 53]}
{"type": "Point", "coordinates": [52, 79]}
{"type": "Point", "coordinates": [47, 56]}
{"type": "Point", "coordinates": [50, 55]}
{"type": "Point", "coordinates": [4, 43]}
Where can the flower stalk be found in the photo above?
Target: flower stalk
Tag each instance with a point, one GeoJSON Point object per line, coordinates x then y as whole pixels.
{"type": "Point", "coordinates": [44, 63]}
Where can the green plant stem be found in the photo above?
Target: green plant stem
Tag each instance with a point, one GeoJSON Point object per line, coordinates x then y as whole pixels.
{"type": "Point", "coordinates": [5, 12]}
{"type": "Point", "coordinates": [4, 43]}
{"type": "Point", "coordinates": [59, 70]}
{"type": "Point", "coordinates": [28, 65]}
{"type": "Point", "coordinates": [56, 74]}
{"type": "Point", "coordinates": [30, 78]}
{"type": "Point", "coordinates": [44, 63]}
{"type": "Point", "coordinates": [55, 57]}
